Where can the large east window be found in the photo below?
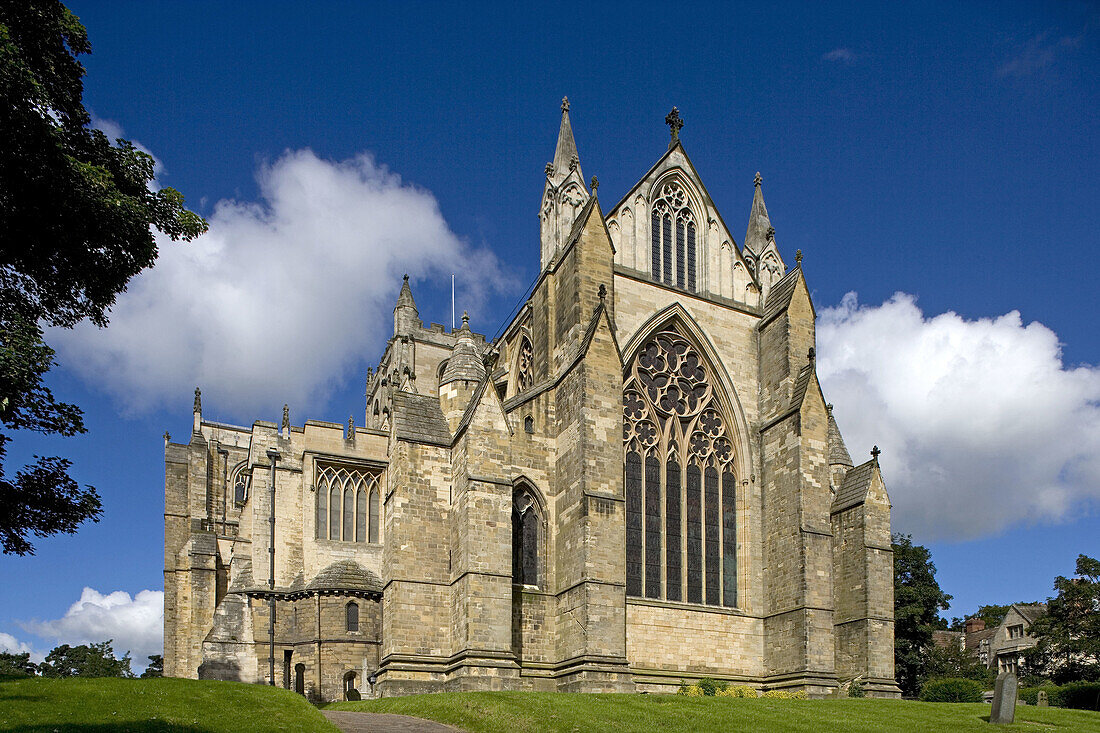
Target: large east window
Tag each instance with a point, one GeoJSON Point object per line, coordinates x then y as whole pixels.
{"type": "Point", "coordinates": [681, 530]}
{"type": "Point", "coordinates": [673, 238]}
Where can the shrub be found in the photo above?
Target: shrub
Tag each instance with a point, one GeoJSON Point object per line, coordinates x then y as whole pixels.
{"type": "Point", "coordinates": [738, 691]}
{"type": "Point", "coordinates": [951, 689]}
{"type": "Point", "coordinates": [690, 690]}
{"type": "Point", "coordinates": [710, 687]}
{"type": "Point", "coordinates": [1080, 695]}
{"type": "Point", "coordinates": [1030, 695]}
{"type": "Point", "coordinates": [785, 694]}
{"type": "Point", "coordinates": [855, 689]}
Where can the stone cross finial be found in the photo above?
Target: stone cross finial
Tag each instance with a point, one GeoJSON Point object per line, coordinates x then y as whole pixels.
{"type": "Point", "coordinates": [757, 180]}
{"type": "Point", "coordinates": [198, 400]}
{"type": "Point", "coordinates": [167, 437]}
{"type": "Point", "coordinates": [798, 256]}
{"type": "Point", "coordinates": [675, 123]}
{"type": "Point", "coordinates": [286, 418]}
{"type": "Point", "coordinates": [602, 291]}
{"type": "Point", "coordinates": [565, 104]}
{"type": "Point", "coordinates": [876, 452]}
{"type": "Point", "coordinates": [595, 183]}
{"type": "Point", "coordinates": [574, 162]}
{"type": "Point", "coordinates": [771, 234]}
{"type": "Point", "coordinates": [549, 169]}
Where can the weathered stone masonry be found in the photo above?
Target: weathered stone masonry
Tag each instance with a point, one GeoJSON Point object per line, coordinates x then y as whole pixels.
{"type": "Point", "coordinates": [638, 483]}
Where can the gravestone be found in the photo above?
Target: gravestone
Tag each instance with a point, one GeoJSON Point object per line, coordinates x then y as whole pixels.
{"type": "Point", "coordinates": [1004, 699]}
{"type": "Point", "coordinates": [1041, 699]}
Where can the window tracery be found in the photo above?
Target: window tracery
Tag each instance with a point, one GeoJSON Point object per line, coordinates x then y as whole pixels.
{"type": "Point", "coordinates": [348, 502]}
{"type": "Point", "coordinates": [241, 480]}
{"type": "Point", "coordinates": [679, 477]}
{"type": "Point", "coordinates": [673, 239]}
{"type": "Point", "coordinates": [524, 364]}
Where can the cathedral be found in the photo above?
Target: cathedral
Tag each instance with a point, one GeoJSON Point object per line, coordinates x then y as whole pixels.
{"type": "Point", "coordinates": [639, 483]}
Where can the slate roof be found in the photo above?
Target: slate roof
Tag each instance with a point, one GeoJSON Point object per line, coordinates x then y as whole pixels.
{"type": "Point", "coordinates": [853, 491]}
{"type": "Point", "coordinates": [346, 575]}
{"type": "Point", "coordinates": [800, 385]}
{"type": "Point", "coordinates": [418, 418]}
{"type": "Point", "coordinates": [779, 297]}
{"type": "Point", "coordinates": [1031, 611]}
{"type": "Point", "coordinates": [838, 452]}
{"type": "Point", "coordinates": [975, 638]}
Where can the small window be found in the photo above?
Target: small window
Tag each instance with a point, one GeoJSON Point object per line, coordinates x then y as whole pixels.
{"type": "Point", "coordinates": [240, 488]}
{"type": "Point", "coordinates": [352, 613]}
{"type": "Point", "coordinates": [1015, 632]}
{"type": "Point", "coordinates": [529, 424]}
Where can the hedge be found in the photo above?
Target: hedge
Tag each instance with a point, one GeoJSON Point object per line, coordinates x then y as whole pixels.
{"type": "Point", "coordinates": [951, 689]}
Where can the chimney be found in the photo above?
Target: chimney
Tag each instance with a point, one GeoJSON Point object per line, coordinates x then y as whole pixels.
{"type": "Point", "coordinates": [975, 624]}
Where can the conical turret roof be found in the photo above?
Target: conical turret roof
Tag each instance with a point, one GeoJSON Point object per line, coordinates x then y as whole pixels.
{"type": "Point", "coordinates": [405, 297]}
{"type": "Point", "coordinates": [838, 452]}
{"type": "Point", "coordinates": [756, 236]}
{"type": "Point", "coordinates": [465, 363]}
{"type": "Point", "coordinates": [566, 151]}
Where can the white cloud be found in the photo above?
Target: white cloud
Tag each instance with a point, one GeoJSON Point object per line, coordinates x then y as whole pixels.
{"type": "Point", "coordinates": [982, 426]}
{"type": "Point", "coordinates": [843, 55]}
{"type": "Point", "coordinates": [10, 645]}
{"type": "Point", "coordinates": [136, 624]}
{"type": "Point", "coordinates": [281, 297]}
{"type": "Point", "coordinates": [1038, 53]}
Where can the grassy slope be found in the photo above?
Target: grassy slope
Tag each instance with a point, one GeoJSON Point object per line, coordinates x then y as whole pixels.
{"type": "Point", "coordinates": [511, 712]}
{"type": "Point", "coordinates": [37, 705]}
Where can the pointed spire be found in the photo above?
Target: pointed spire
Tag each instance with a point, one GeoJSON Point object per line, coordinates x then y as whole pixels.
{"type": "Point", "coordinates": [465, 362]}
{"type": "Point", "coordinates": [405, 315]}
{"type": "Point", "coordinates": [838, 452]}
{"type": "Point", "coordinates": [760, 228]}
{"type": "Point", "coordinates": [565, 154]}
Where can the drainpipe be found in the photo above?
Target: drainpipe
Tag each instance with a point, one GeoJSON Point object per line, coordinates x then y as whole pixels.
{"type": "Point", "coordinates": [273, 456]}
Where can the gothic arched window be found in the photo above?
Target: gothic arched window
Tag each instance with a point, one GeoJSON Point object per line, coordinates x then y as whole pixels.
{"type": "Point", "coordinates": [526, 531]}
{"type": "Point", "coordinates": [524, 364]}
{"type": "Point", "coordinates": [240, 485]}
{"type": "Point", "coordinates": [680, 480]}
{"type": "Point", "coordinates": [673, 242]}
{"type": "Point", "coordinates": [347, 503]}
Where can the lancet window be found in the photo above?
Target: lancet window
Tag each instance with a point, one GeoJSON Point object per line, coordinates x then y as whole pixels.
{"type": "Point", "coordinates": [681, 541]}
{"type": "Point", "coordinates": [524, 364]}
{"type": "Point", "coordinates": [348, 504]}
{"type": "Point", "coordinates": [673, 240]}
{"type": "Point", "coordinates": [526, 537]}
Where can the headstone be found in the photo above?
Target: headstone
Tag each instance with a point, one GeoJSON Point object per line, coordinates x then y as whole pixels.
{"type": "Point", "coordinates": [1004, 699]}
{"type": "Point", "coordinates": [1041, 699]}
{"type": "Point", "coordinates": [353, 694]}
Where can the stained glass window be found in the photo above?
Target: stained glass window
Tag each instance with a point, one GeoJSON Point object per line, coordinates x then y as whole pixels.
{"type": "Point", "coordinates": [679, 477]}
{"type": "Point", "coordinates": [673, 263]}
{"type": "Point", "coordinates": [347, 503]}
{"type": "Point", "coordinates": [526, 524]}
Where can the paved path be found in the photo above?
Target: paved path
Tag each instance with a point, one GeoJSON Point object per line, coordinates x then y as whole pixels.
{"type": "Point", "coordinates": [352, 722]}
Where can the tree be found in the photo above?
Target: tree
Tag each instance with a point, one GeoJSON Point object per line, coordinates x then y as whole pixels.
{"type": "Point", "coordinates": [918, 599]}
{"type": "Point", "coordinates": [155, 668]}
{"type": "Point", "coordinates": [992, 614]}
{"type": "Point", "coordinates": [76, 218]}
{"type": "Point", "coordinates": [953, 661]}
{"type": "Point", "coordinates": [86, 660]}
{"type": "Point", "coordinates": [1068, 636]}
{"type": "Point", "coordinates": [16, 665]}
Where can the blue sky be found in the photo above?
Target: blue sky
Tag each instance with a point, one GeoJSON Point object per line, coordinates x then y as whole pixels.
{"type": "Point", "coordinates": [945, 151]}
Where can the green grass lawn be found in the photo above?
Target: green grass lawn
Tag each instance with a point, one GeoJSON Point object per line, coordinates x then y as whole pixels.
{"type": "Point", "coordinates": [37, 705]}
{"type": "Point", "coordinates": [511, 712]}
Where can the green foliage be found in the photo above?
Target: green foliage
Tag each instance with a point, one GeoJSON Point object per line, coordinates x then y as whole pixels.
{"type": "Point", "coordinates": [740, 692]}
{"type": "Point", "coordinates": [711, 687]}
{"type": "Point", "coordinates": [784, 695]}
{"type": "Point", "coordinates": [918, 599]}
{"type": "Point", "coordinates": [1030, 694]}
{"type": "Point", "coordinates": [856, 689]}
{"type": "Point", "coordinates": [951, 661]}
{"type": "Point", "coordinates": [951, 689]}
{"type": "Point", "coordinates": [155, 668]}
{"type": "Point", "coordinates": [85, 660]}
{"type": "Point", "coordinates": [1080, 696]}
{"type": "Point", "coordinates": [16, 665]}
{"type": "Point", "coordinates": [1068, 637]}
{"type": "Point", "coordinates": [76, 213]}
{"type": "Point", "coordinates": [102, 705]}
